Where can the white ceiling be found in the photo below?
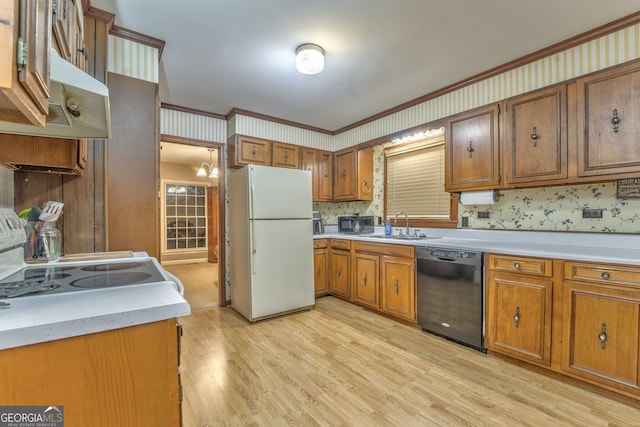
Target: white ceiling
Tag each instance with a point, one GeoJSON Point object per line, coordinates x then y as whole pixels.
{"type": "Point", "coordinates": [221, 54]}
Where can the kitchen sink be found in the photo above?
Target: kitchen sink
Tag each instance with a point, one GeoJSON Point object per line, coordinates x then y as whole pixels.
{"type": "Point", "coordinates": [404, 237]}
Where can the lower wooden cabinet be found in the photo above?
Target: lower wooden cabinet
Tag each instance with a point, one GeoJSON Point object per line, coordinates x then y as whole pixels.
{"type": "Point", "coordinates": [518, 309]}
{"type": "Point", "coordinates": [384, 278]}
{"type": "Point", "coordinates": [121, 377]}
{"type": "Point", "coordinates": [320, 267]}
{"type": "Point", "coordinates": [601, 325]}
{"type": "Point", "coordinates": [579, 319]}
{"type": "Point", "coordinates": [366, 286]}
{"type": "Point", "coordinates": [340, 282]}
{"type": "Point", "coordinates": [398, 287]}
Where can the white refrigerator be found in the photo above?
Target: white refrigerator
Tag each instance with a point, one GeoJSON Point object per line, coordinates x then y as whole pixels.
{"type": "Point", "coordinates": [271, 241]}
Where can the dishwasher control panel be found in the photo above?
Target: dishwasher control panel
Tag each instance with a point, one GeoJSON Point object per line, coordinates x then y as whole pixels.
{"type": "Point", "coordinates": [451, 253]}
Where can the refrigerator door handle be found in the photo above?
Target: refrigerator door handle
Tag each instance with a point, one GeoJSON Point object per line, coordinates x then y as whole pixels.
{"type": "Point", "coordinates": [251, 190]}
{"type": "Point", "coordinates": [254, 248]}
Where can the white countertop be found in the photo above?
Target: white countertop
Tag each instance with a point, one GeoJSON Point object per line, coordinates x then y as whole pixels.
{"type": "Point", "coordinates": [599, 247]}
{"type": "Point", "coordinates": [41, 318]}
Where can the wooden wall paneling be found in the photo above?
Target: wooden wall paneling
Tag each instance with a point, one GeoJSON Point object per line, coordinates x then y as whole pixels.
{"type": "Point", "coordinates": [132, 157]}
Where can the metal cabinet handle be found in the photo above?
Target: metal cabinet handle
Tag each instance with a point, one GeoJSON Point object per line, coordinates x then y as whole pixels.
{"type": "Point", "coordinates": [615, 121]}
{"type": "Point", "coordinates": [319, 272]}
{"type": "Point", "coordinates": [396, 286]}
{"type": "Point", "coordinates": [534, 137]}
{"type": "Point", "coordinates": [326, 175]}
{"type": "Point", "coordinates": [253, 151]}
{"type": "Point", "coordinates": [603, 337]}
{"type": "Point", "coordinates": [286, 156]}
{"type": "Point", "coordinates": [516, 265]}
{"type": "Point", "coordinates": [340, 273]}
{"type": "Point", "coordinates": [366, 188]}
{"type": "Point", "coordinates": [516, 317]}
{"type": "Point", "coordinates": [470, 149]}
{"type": "Point", "coordinates": [343, 173]}
{"type": "Point", "coordinates": [605, 275]}
{"type": "Point", "coordinates": [364, 279]}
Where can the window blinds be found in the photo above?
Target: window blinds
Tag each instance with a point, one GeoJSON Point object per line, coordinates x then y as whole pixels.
{"type": "Point", "coordinates": [415, 180]}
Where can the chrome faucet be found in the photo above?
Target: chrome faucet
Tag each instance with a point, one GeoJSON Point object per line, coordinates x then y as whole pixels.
{"type": "Point", "coordinates": [406, 219]}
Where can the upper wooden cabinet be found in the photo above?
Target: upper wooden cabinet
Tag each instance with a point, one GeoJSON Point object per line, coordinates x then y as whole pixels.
{"type": "Point", "coordinates": [353, 174]}
{"type": "Point", "coordinates": [68, 31]}
{"type": "Point", "coordinates": [609, 122]}
{"type": "Point", "coordinates": [472, 150]}
{"type": "Point", "coordinates": [24, 69]}
{"type": "Point", "coordinates": [54, 155]}
{"type": "Point", "coordinates": [285, 155]}
{"type": "Point", "coordinates": [244, 150]}
{"type": "Point", "coordinates": [320, 163]}
{"type": "Point", "coordinates": [535, 148]}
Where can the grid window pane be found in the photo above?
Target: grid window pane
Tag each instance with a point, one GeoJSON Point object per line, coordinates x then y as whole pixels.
{"type": "Point", "coordinates": [185, 216]}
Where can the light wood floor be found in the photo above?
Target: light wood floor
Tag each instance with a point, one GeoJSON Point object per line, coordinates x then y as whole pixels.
{"type": "Point", "coordinates": [340, 365]}
{"type": "Point", "coordinates": [200, 280]}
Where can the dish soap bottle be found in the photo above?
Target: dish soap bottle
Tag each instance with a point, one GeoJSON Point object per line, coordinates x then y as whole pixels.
{"type": "Point", "coordinates": [388, 229]}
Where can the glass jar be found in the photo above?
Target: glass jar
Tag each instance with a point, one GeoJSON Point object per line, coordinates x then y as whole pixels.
{"type": "Point", "coordinates": [49, 241]}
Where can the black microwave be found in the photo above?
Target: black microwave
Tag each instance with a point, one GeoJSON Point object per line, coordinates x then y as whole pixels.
{"type": "Point", "coordinates": [355, 224]}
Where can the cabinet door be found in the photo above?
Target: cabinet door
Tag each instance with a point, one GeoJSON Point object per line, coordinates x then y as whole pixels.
{"type": "Point", "coordinates": [63, 19]}
{"type": "Point", "coordinates": [285, 155]}
{"type": "Point", "coordinates": [601, 334]}
{"type": "Point", "coordinates": [364, 174]}
{"type": "Point", "coordinates": [365, 280]}
{"type": "Point", "coordinates": [519, 317]}
{"type": "Point", "coordinates": [320, 276]}
{"type": "Point", "coordinates": [253, 151]}
{"type": "Point", "coordinates": [325, 176]}
{"type": "Point", "coordinates": [35, 31]}
{"type": "Point", "coordinates": [343, 183]}
{"type": "Point", "coordinates": [536, 136]}
{"type": "Point", "coordinates": [24, 83]}
{"type": "Point", "coordinates": [398, 287]}
{"type": "Point", "coordinates": [309, 162]}
{"type": "Point", "coordinates": [340, 262]}
{"type": "Point", "coordinates": [609, 122]}
{"type": "Point", "coordinates": [472, 150]}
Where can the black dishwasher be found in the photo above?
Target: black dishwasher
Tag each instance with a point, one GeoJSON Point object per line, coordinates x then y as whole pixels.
{"type": "Point", "coordinates": [450, 294]}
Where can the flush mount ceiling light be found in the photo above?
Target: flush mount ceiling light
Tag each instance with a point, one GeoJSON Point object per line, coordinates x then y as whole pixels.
{"type": "Point", "coordinates": [309, 58]}
{"type": "Point", "coordinates": [204, 166]}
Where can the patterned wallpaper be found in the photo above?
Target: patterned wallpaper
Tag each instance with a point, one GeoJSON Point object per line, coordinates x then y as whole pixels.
{"type": "Point", "coordinates": [194, 126]}
{"type": "Point", "coordinates": [132, 59]}
{"type": "Point", "coordinates": [543, 209]}
{"type": "Point", "coordinates": [558, 209]}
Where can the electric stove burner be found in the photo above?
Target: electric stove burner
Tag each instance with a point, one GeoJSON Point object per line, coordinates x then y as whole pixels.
{"type": "Point", "coordinates": [20, 289]}
{"type": "Point", "coordinates": [110, 280]}
{"type": "Point", "coordinates": [113, 267]}
{"type": "Point", "coordinates": [31, 275]}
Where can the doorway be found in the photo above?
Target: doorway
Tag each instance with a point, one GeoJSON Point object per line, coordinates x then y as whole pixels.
{"type": "Point", "coordinates": [190, 177]}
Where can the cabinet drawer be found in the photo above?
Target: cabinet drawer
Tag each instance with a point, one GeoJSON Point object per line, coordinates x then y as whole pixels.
{"type": "Point", "coordinates": [319, 243]}
{"type": "Point", "coordinates": [602, 273]}
{"type": "Point", "coordinates": [526, 265]}
{"type": "Point", "coordinates": [385, 249]}
{"type": "Point", "coordinates": [341, 244]}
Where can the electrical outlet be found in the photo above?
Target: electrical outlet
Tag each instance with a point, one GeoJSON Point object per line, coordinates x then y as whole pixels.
{"type": "Point", "coordinates": [484, 215]}
{"type": "Point", "coordinates": [591, 213]}
{"type": "Point", "coordinates": [465, 221]}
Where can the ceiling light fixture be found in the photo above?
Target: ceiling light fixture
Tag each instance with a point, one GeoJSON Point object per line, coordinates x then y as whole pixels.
{"type": "Point", "coordinates": [309, 58]}
{"type": "Point", "coordinates": [213, 171]}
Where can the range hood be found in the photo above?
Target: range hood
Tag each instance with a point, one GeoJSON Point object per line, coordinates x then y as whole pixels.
{"type": "Point", "coordinates": [78, 106]}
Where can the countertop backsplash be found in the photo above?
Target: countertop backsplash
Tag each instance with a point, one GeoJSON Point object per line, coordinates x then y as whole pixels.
{"type": "Point", "coordinates": [556, 208]}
